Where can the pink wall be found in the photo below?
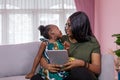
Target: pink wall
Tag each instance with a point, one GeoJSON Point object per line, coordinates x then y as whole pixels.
{"type": "Point", "coordinates": [107, 22]}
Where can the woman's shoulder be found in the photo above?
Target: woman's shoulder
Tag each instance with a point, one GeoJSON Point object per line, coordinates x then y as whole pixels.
{"type": "Point", "coordinates": [94, 41]}
{"type": "Point", "coordinates": [95, 45]}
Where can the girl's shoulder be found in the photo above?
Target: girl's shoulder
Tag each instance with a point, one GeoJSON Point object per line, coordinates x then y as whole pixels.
{"type": "Point", "coordinates": [44, 41]}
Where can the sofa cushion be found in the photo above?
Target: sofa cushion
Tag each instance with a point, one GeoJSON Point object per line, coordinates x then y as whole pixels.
{"type": "Point", "coordinates": [14, 78]}
{"type": "Point", "coordinates": [17, 59]}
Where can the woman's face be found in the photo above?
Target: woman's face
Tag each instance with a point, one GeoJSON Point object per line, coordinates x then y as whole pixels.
{"type": "Point", "coordinates": [68, 28]}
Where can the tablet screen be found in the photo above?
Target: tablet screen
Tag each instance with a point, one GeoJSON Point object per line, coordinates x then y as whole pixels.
{"type": "Point", "coordinates": [58, 56]}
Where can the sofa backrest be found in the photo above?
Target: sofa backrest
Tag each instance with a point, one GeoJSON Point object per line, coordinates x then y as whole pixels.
{"type": "Point", "coordinates": [17, 59]}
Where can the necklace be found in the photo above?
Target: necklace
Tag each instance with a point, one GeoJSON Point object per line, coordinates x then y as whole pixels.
{"type": "Point", "coordinates": [55, 46]}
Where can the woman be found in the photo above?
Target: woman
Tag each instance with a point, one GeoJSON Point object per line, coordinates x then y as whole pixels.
{"type": "Point", "coordinates": [84, 49]}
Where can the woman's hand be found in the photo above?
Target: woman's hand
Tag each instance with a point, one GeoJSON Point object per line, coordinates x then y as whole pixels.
{"type": "Point", "coordinates": [29, 75]}
{"type": "Point", "coordinates": [53, 67]}
{"type": "Point", "coordinates": [72, 64]}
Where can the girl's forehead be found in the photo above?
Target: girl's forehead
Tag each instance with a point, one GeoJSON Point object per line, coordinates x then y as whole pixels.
{"type": "Point", "coordinates": [54, 27]}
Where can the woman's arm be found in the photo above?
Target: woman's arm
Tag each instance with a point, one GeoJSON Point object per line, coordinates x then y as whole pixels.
{"type": "Point", "coordinates": [36, 60]}
{"type": "Point", "coordinates": [95, 65]}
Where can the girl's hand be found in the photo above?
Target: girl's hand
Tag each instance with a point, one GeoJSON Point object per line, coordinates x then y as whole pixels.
{"type": "Point", "coordinates": [29, 75]}
{"type": "Point", "coordinates": [72, 64]}
{"type": "Point", "coordinates": [53, 67]}
{"type": "Point", "coordinates": [66, 45]}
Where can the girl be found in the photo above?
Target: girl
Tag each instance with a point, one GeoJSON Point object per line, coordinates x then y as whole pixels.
{"type": "Point", "coordinates": [52, 36]}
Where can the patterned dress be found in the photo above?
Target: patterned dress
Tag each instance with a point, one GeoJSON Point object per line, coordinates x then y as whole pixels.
{"type": "Point", "coordinates": [45, 73]}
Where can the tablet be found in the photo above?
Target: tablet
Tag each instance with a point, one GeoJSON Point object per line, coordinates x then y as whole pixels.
{"type": "Point", "coordinates": [58, 56]}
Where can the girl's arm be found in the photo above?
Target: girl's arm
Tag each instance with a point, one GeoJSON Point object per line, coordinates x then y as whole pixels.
{"type": "Point", "coordinates": [50, 67]}
{"type": "Point", "coordinates": [36, 60]}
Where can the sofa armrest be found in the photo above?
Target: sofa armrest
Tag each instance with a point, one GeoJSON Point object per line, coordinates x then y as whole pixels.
{"type": "Point", "coordinates": [107, 67]}
{"type": "Point", "coordinates": [17, 59]}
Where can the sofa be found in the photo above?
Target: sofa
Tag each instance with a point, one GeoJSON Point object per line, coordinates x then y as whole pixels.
{"type": "Point", "coordinates": [16, 61]}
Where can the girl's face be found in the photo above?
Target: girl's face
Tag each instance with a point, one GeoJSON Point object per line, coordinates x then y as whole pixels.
{"type": "Point", "coordinates": [55, 31]}
{"type": "Point", "coordinates": [68, 28]}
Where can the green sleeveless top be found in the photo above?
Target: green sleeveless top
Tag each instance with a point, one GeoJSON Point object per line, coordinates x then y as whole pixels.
{"type": "Point", "coordinates": [50, 75]}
